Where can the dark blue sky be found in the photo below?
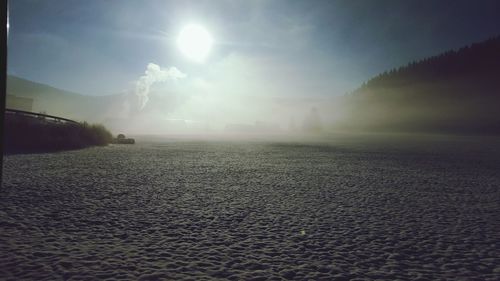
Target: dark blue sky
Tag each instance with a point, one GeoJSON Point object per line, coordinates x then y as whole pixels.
{"type": "Point", "coordinates": [271, 47]}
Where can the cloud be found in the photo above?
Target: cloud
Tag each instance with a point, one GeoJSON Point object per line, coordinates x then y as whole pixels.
{"type": "Point", "coordinates": [154, 73]}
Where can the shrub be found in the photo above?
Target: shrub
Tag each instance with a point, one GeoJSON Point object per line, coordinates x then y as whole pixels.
{"type": "Point", "coordinates": [24, 134]}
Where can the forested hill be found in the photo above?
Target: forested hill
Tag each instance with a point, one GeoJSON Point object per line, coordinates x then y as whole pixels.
{"type": "Point", "coordinates": [455, 92]}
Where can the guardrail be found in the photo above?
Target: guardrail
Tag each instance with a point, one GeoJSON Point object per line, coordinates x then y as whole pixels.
{"type": "Point", "coordinates": [40, 115]}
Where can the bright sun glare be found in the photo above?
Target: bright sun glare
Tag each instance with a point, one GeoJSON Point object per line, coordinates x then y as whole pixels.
{"type": "Point", "coordinates": [195, 42]}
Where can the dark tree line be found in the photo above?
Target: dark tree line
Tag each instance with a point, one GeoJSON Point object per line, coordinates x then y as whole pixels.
{"type": "Point", "coordinates": [476, 60]}
{"type": "Point", "coordinates": [454, 92]}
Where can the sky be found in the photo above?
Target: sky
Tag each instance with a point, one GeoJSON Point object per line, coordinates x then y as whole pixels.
{"type": "Point", "coordinates": [274, 48]}
{"type": "Point", "coordinates": [326, 47]}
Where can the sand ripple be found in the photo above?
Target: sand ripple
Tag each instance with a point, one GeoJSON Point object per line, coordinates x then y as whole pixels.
{"type": "Point", "coordinates": [257, 211]}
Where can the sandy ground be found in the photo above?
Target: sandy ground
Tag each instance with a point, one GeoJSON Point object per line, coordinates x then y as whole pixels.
{"type": "Point", "coordinates": [349, 210]}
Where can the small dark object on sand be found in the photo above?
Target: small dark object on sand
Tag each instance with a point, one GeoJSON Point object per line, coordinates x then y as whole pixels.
{"type": "Point", "coordinates": [121, 139]}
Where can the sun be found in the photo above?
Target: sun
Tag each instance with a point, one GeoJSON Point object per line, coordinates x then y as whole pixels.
{"type": "Point", "coordinates": [195, 42]}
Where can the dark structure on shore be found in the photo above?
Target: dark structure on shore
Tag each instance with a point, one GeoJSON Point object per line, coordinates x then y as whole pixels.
{"type": "Point", "coordinates": [121, 139]}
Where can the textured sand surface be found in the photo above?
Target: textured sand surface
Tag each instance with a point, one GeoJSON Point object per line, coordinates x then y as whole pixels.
{"type": "Point", "coordinates": [193, 210]}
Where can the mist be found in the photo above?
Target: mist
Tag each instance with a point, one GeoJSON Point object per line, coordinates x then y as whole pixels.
{"type": "Point", "coordinates": [453, 93]}
{"type": "Point", "coordinates": [235, 96]}
{"type": "Point", "coordinates": [170, 111]}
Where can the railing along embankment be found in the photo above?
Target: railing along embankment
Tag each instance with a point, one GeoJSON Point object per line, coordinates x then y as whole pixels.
{"type": "Point", "coordinates": [40, 116]}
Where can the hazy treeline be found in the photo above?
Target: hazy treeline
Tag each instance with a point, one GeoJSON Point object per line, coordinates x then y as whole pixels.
{"type": "Point", "coordinates": [455, 92]}
{"type": "Point", "coordinates": [24, 134]}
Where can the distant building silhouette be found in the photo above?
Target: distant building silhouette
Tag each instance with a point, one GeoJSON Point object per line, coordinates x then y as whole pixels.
{"type": "Point", "coordinates": [258, 127]}
{"type": "Point", "coordinates": [312, 122]}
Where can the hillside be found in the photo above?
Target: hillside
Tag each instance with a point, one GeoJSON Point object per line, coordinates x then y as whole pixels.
{"type": "Point", "coordinates": [61, 103]}
{"type": "Point", "coordinates": [454, 92]}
